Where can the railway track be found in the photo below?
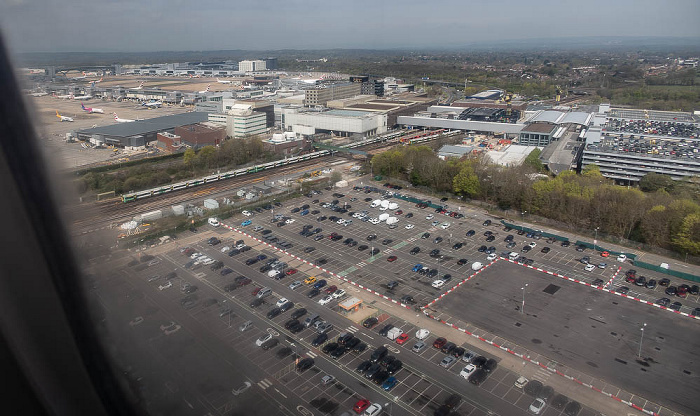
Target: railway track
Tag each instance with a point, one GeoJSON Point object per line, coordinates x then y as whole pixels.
{"type": "Point", "coordinates": [113, 211]}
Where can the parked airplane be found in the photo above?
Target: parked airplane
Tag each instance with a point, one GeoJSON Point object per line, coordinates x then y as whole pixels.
{"type": "Point", "coordinates": [90, 74]}
{"type": "Point", "coordinates": [63, 97]}
{"type": "Point", "coordinates": [122, 120]}
{"type": "Point", "coordinates": [140, 87]}
{"type": "Point", "coordinates": [80, 97]}
{"type": "Point", "coordinates": [99, 80]}
{"type": "Point", "coordinates": [153, 104]}
{"type": "Point", "coordinates": [224, 81]}
{"type": "Point", "coordinates": [92, 110]}
{"type": "Point", "coordinates": [63, 118]}
{"type": "Point", "coordinates": [39, 94]}
{"type": "Point", "coordinates": [207, 90]}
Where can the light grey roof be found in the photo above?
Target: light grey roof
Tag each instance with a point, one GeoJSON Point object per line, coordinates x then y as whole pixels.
{"type": "Point", "coordinates": [460, 124]}
{"type": "Point", "coordinates": [549, 116]}
{"type": "Point", "coordinates": [148, 126]}
{"type": "Point", "coordinates": [457, 150]}
{"type": "Point", "coordinates": [576, 117]}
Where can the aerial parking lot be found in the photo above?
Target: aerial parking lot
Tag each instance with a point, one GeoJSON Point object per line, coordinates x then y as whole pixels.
{"type": "Point", "coordinates": [584, 327]}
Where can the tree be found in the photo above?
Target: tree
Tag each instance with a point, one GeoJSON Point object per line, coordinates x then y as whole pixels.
{"type": "Point", "coordinates": [188, 157]}
{"type": "Point", "coordinates": [533, 160]}
{"type": "Point", "coordinates": [652, 182]}
{"type": "Point", "coordinates": [466, 182]}
{"type": "Point", "coordinates": [688, 238]}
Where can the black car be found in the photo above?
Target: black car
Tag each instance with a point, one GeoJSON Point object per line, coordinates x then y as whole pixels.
{"type": "Point", "coordinates": [296, 328]}
{"type": "Point", "coordinates": [407, 299]}
{"type": "Point", "coordinates": [364, 366]}
{"type": "Point", "coordinates": [387, 241]}
{"type": "Point", "coordinates": [394, 366]}
{"type": "Point", "coordinates": [598, 282]}
{"type": "Point", "coordinates": [378, 354]}
{"type": "Point", "coordinates": [651, 284]}
{"type": "Point", "coordinates": [305, 364]}
{"type": "Point", "coordinates": [490, 238]}
{"type": "Point", "coordinates": [270, 344]}
{"type": "Point", "coordinates": [434, 253]}
{"type": "Point", "coordinates": [448, 347]}
{"type": "Point", "coordinates": [266, 268]}
{"type": "Point", "coordinates": [371, 237]}
{"type": "Point", "coordinates": [437, 240]}
{"type": "Point", "coordinates": [479, 361]}
{"type": "Point", "coordinates": [462, 262]}
{"type": "Point", "coordinates": [565, 244]}
{"type": "Point", "coordinates": [321, 261]}
{"type": "Point", "coordinates": [470, 233]}
{"type": "Point", "coordinates": [339, 352]}
{"type": "Point", "coordinates": [298, 313]}
{"type": "Point", "coordinates": [362, 248]}
{"type": "Point", "coordinates": [665, 281]}
{"type": "Point", "coordinates": [545, 250]}
{"type": "Point", "coordinates": [458, 352]}
{"type": "Point", "coordinates": [508, 238]}
{"type": "Point", "coordinates": [313, 293]}
{"type": "Point", "coordinates": [490, 365]}
{"type": "Point", "coordinates": [287, 306]}
{"type": "Point", "coordinates": [478, 377]}
{"type": "Point", "coordinates": [385, 330]}
{"type": "Point", "coordinates": [251, 261]}
{"type": "Point", "coordinates": [372, 371]}
{"type": "Point", "coordinates": [370, 322]}
{"type": "Point", "coordinates": [320, 339]}
{"type": "Point", "coordinates": [256, 302]}
{"type": "Point", "coordinates": [663, 301]}
{"type": "Point", "coordinates": [457, 246]}
{"type": "Point", "coordinates": [273, 312]}
{"type": "Point", "coordinates": [328, 348]}
{"type": "Point", "coordinates": [486, 223]}
{"type": "Point", "coordinates": [580, 248]}
{"type": "Point", "coordinates": [345, 338]}
{"type": "Point", "coordinates": [226, 271]}
{"type": "Point", "coordinates": [482, 249]}
{"type": "Point", "coordinates": [309, 249]}
{"type": "Point", "coordinates": [290, 323]}
{"type": "Point", "coordinates": [354, 342]}
{"type": "Point", "coordinates": [425, 236]}
{"type": "Point", "coordinates": [415, 250]}
{"type": "Point", "coordinates": [359, 348]}
{"type": "Point", "coordinates": [671, 290]}
{"type": "Point", "coordinates": [409, 215]}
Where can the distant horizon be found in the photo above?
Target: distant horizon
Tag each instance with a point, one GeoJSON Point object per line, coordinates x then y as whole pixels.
{"type": "Point", "coordinates": [132, 26]}
{"type": "Point", "coordinates": [505, 45]}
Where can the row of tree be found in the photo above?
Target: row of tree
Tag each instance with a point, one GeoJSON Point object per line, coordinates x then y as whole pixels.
{"type": "Point", "coordinates": [230, 154]}
{"type": "Point", "coordinates": [667, 215]}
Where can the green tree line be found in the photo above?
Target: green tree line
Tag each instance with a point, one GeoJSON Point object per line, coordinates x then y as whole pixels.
{"type": "Point", "coordinates": [191, 164]}
{"type": "Point", "coordinates": [667, 215]}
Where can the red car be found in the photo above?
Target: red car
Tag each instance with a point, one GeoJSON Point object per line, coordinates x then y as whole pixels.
{"type": "Point", "coordinates": [439, 343]}
{"type": "Point", "coordinates": [290, 272]}
{"type": "Point", "coordinates": [255, 291]}
{"type": "Point", "coordinates": [361, 405]}
{"type": "Point", "coordinates": [399, 212]}
{"type": "Point", "coordinates": [391, 259]}
{"type": "Point", "coordinates": [402, 338]}
{"type": "Point", "coordinates": [604, 254]}
{"type": "Point", "coordinates": [331, 289]}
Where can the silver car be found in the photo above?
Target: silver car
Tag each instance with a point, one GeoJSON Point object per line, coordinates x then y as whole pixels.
{"type": "Point", "coordinates": [418, 347]}
{"type": "Point", "coordinates": [295, 285]}
{"type": "Point", "coordinates": [447, 361]}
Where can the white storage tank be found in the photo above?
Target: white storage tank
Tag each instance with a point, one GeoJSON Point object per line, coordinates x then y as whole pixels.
{"type": "Point", "coordinates": [383, 217]}
{"type": "Point", "coordinates": [392, 220]}
{"type": "Point", "coordinates": [393, 205]}
{"type": "Point", "coordinates": [153, 215]}
{"type": "Point", "coordinates": [178, 209]}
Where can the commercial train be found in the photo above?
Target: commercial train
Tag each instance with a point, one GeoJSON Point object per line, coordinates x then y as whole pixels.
{"type": "Point", "coordinates": [394, 136]}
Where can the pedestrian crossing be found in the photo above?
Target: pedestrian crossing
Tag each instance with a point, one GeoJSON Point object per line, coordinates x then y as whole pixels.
{"type": "Point", "coordinates": [264, 383]}
{"type": "Point", "coordinates": [361, 264]}
{"type": "Point", "coordinates": [352, 329]}
{"type": "Point", "coordinates": [311, 354]}
{"type": "Point", "coordinates": [542, 375]}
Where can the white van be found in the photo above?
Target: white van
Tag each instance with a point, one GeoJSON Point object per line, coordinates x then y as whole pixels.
{"type": "Point", "coordinates": [394, 333]}
{"type": "Point", "coordinates": [513, 255]}
{"type": "Point", "coordinates": [214, 222]}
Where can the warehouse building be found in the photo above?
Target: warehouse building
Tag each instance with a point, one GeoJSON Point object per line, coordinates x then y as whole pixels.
{"type": "Point", "coordinates": [334, 122]}
{"type": "Point", "coordinates": [140, 132]}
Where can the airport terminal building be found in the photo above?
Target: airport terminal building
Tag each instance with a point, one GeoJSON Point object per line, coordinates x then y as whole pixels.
{"type": "Point", "coordinates": [140, 132]}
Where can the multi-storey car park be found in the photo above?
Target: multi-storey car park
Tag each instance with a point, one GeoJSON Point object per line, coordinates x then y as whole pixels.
{"type": "Point", "coordinates": [634, 143]}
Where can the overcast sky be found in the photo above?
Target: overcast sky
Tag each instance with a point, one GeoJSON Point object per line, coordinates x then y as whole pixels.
{"type": "Point", "coordinates": [174, 25]}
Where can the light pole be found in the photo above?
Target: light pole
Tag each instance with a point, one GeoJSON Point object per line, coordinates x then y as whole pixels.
{"type": "Point", "coordinates": [522, 309]}
{"type": "Point", "coordinates": [595, 241]}
{"type": "Point", "coordinates": [523, 214]}
{"type": "Point", "coordinates": [640, 341]}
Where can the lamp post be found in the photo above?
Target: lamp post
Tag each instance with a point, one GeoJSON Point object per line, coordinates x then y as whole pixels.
{"type": "Point", "coordinates": [595, 241]}
{"type": "Point", "coordinates": [640, 340]}
{"type": "Point", "coordinates": [523, 214]}
{"type": "Point", "coordinates": [522, 309]}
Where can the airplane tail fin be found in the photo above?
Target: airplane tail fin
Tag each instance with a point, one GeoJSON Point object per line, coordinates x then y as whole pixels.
{"type": "Point", "coordinates": [83, 105]}
{"type": "Point", "coordinates": [58, 115]}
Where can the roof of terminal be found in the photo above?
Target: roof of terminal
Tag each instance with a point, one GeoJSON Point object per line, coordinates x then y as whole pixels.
{"type": "Point", "coordinates": [151, 125]}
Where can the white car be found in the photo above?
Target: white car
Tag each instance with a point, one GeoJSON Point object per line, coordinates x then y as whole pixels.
{"type": "Point", "coordinates": [409, 226]}
{"type": "Point", "coordinates": [537, 406]}
{"type": "Point", "coordinates": [263, 339]}
{"type": "Point", "coordinates": [281, 302]}
{"type": "Point", "coordinates": [429, 217]}
{"type": "Point", "coordinates": [467, 371]}
{"type": "Point", "coordinates": [590, 267]}
{"type": "Point", "coordinates": [340, 221]}
{"type": "Point", "coordinates": [435, 223]}
{"type": "Point", "coordinates": [240, 389]}
{"type": "Point", "coordinates": [165, 286]}
{"type": "Point", "coordinates": [532, 244]}
{"type": "Point", "coordinates": [422, 334]}
{"type": "Point", "coordinates": [273, 273]}
{"type": "Point", "coordinates": [224, 249]}
{"type": "Point", "coordinates": [445, 225]}
{"type": "Point", "coordinates": [289, 221]}
{"type": "Point", "coordinates": [438, 283]}
{"type": "Point", "coordinates": [374, 221]}
{"type": "Point", "coordinates": [373, 410]}
{"type": "Point", "coordinates": [294, 285]}
{"type": "Point", "coordinates": [491, 257]}
{"type": "Point", "coordinates": [513, 255]}
{"type": "Point", "coordinates": [247, 213]}
{"type": "Point", "coordinates": [325, 300]}
{"type": "Point", "coordinates": [622, 258]}
{"type": "Point", "coordinates": [338, 293]}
